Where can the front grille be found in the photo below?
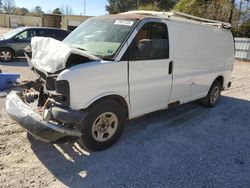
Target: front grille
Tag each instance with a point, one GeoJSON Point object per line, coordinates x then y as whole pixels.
{"type": "Point", "coordinates": [50, 83]}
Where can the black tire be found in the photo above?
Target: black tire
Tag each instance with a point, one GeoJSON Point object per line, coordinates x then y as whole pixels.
{"type": "Point", "coordinates": [6, 55]}
{"type": "Point", "coordinates": [89, 137]}
{"type": "Point", "coordinates": [211, 100]}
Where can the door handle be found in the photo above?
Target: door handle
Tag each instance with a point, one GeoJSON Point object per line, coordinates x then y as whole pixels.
{"type": "Point", "coordinates": [170, 67]}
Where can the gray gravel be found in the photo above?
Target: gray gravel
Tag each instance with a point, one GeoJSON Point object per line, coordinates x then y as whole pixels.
{"type": "Point", "coordinates": [188, 146]}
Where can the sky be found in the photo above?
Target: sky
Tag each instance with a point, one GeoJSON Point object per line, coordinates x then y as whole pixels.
{"type": "Point", "coordinates": [93, 7]}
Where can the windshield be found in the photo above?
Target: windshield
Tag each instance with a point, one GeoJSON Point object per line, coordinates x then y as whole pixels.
{"type": "Point", "coordinates": [101, 37]}
{"type": "Point", "coordinates": [12, 33]}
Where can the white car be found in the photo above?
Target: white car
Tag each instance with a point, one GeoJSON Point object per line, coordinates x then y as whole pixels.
{"type": "Point", "coordinates": [138, 62]}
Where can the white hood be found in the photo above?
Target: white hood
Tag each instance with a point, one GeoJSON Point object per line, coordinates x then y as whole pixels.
{"type": "Point", "coordinates": [51, 55]}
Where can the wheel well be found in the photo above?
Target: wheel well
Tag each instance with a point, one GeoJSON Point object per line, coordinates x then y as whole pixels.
{"type": "Point", "coordinates": [120, 100]}
{"type": "Point", "coordinates": [220, 79]}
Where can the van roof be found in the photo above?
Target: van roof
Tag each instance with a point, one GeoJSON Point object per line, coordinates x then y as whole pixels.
{"type": "Point", "coordinates": [141, 14]}
{"type": "Point", "coordinates": [126, 16]}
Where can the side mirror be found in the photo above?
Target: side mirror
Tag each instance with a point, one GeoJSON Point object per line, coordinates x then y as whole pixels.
{"type": "Point", "coordinates": [145, 48]}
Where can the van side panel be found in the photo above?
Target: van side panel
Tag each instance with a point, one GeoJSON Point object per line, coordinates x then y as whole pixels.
{"type": "Point", "coordinates": [201, 54]}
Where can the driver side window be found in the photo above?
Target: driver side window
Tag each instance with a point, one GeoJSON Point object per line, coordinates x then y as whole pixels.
{"type": "Point", "coordinates": [22, 36]}
{"type": "Point", "coordinates": [150, 43]}
{"type": "Point", "coordinates": [26, 36]}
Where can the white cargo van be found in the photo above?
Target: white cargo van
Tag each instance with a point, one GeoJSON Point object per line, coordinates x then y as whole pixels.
{"type": "Point", "coordinates": [118, 67]}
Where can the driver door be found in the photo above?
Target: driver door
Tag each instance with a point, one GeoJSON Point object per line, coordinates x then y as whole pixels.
{"type": "Point", "coordinates": [150, 74]}
{"type": "Point", "coordinates": [22, 40]}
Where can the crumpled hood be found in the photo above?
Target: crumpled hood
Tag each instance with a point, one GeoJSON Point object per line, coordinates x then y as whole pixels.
{"type": "Point", "coordinates": [50, 55]}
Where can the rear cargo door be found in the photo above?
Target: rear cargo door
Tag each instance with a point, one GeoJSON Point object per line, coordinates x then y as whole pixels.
{"type": "Point", "coordinates": [150, 74]}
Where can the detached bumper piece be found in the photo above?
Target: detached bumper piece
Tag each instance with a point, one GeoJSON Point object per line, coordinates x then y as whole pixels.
{"type": "Point", "coordinates": [34, 123]}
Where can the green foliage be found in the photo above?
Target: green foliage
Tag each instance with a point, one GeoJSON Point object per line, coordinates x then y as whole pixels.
{"type": "Point", "coordinates": [21, 11]}
{"type": "Point", "coordinates": [150, 7]}
{"type": "Point", "coordinates": [117, 6]}
{"type": "Point", "coordinates": [57, 11]}
{"type": "Point", "coordinates": [243, 30]}
{"type": "Point", "coordinates": [164, 4]}
{"type": "Point", "coordinates": [216, 10]}
{"type": "Point", "coordinates": [38, 10]}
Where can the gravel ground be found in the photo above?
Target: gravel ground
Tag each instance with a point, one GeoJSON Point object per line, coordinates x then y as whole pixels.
{"type": "Point", "coordinates": [188, 146]}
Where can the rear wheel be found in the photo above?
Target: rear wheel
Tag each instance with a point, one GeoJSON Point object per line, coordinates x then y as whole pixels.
{"type": "Point", "coordinates": [213, 95]}
{"type": "Point", "coordinates": [103, 125]}
{"type": "Point", "coordinates": [6, 54]}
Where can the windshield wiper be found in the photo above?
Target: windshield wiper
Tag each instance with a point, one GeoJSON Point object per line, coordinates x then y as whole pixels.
{"type": "Point", "coordinates": [105, 58]}
{"type": "Point", "coordinates": [81, 48]}
{"type": "Point", "coordinates": [96, 55]}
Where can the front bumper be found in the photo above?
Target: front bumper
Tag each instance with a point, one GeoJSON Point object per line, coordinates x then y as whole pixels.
{"type": "Point", "coordinates": [34, 123]}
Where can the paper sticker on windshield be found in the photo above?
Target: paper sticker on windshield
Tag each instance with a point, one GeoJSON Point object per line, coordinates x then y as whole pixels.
{"type": "Point", "coordinates": [124, 22]}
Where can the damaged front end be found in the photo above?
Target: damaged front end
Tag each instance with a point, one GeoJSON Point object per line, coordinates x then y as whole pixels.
{"type": "Point", "coordinates": [42, 107]}
{"type": "Point", "coordinates": [44, 129]}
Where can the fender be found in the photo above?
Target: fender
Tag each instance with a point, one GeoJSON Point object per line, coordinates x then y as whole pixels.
{"type": "Point", "coordinates": [107, 94]}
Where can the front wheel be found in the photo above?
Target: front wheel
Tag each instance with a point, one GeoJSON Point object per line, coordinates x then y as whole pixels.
{"type": "Point", "coordinates": [103, 125]}
{"type": "Point", "coordinates": [213, 95]}
{"type": "Point", "coordinates": [6, 55]}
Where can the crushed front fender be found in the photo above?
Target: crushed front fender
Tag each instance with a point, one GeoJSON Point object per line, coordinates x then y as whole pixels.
{"type": "Point", "coordinates": [34, 123]}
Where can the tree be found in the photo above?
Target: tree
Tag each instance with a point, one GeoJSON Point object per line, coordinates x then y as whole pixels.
{"type": "Point", "coordinates": [150, 7]}
{"type": "Point", "coordinates": [244, 10]}
{"type": "Point", "coordinates": [212, 9]}
{"type": "Point", "coordinates": [117, 6]}
{"type": "Point", "coordinates": [243, 30]}
{"type": "Point", "coordinates": [38, 10]}
{"type": "Point", "coordinates": [57, 11]}
{"type": "Point", "coordinates": [8, 6]}
{"type": "Point", "coordinates": [157, 5]}
{"type": "Point", "coordinates": [1, 5]}
{"type": "Point", "coordinates": [233, 11]}
{"type": "Point", "coordinates": [21, 11]}
{"type": "Point", "coordinates": [230, 20]}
